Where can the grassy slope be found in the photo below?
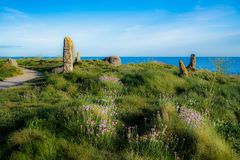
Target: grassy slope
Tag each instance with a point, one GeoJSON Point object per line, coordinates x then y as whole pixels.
{"type": "Point", "coordinates": [7, 70]}
{"type": "Point", "coordinates": [75, 115]}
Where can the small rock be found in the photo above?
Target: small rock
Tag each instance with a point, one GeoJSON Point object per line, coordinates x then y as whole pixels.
{"type": "Point", "coordinates": [183, 69]}
{"type": "Point", "coordinates": [57, 70]}
{"type": "Point", "coordinates": [12, 62]}
{"type": "Point", "coordinates": [115, 60]}
{"type": "Point", "coordinates": [106, 78]}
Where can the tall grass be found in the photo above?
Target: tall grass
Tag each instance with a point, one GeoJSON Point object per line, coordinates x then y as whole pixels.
{"type": "Point", "coordinates": [7, 70]}
{"type": "Point", "coordinates": [135, 111]}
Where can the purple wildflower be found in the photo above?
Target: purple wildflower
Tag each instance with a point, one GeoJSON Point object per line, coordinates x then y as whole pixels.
{"type": "Point", "coordinates": [191, 117]}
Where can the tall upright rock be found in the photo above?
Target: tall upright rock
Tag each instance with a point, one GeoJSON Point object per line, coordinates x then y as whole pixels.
{"type": "Point", "coordinates": [73, 55]}
{"type": "Point", "coordinates": [78, 56]}
{"type": "Point", "coordinates": [68, 55]}
{"type": "Point", "coordinates": [192, 65]}
{"type": "Point", "coordinates": [183, 69]}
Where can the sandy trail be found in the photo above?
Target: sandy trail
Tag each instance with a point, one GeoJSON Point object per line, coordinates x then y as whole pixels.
{"type": "Point", "coordinates": [18, 80]}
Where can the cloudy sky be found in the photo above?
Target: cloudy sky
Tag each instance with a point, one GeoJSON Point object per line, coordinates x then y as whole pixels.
{"type": "Point", "coordinates": [120, 27]}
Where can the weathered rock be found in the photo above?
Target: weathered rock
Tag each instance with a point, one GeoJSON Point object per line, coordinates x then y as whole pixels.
{"type": "Point", "coordinates": [68, 55]}
{"type": "Point", "coordinates": [192, 65]}
{"type": "Point", "coordinates": [58, 70]}
{"type": "Point", "coordinates": [183, 69]}
{"type": "Point", "coordinates": [73, 54]}
{"type": "Point", "coordinates": [12, 62]}
{"type": "Point", "coordinates": [78, 57]}
{"type": "Point", "coordinates": [115, 60]}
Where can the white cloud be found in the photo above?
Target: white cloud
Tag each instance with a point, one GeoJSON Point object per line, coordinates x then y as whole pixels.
{"type": "Point", "coordinates": [11, 14]}
{"type": "Point", "coordinates": [208, 31]}
{"type": "Point", "coordinates": [13, 11]}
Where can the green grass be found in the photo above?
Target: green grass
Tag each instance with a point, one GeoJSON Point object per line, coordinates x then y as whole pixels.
{"type": "Point", "coordinates": [40, 64]}
{"type": "Point", "coordinates": [79, 116]}
{"type": "Point", "coordinates": [7, 70]}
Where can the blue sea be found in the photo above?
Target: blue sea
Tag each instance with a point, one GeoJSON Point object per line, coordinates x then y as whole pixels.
{"type": "Point", "coordinates": [230, 65]}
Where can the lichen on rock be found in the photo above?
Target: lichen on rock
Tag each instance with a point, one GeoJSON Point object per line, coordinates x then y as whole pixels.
{"type": "Point", "coordinates": [68, 55]}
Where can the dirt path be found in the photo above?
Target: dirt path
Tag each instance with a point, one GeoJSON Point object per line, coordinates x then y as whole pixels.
{"type": "Point", "coordinates": [18, 80]}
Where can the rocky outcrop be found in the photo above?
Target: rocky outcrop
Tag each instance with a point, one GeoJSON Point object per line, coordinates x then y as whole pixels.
{"type": "Point", "coordinates": [68, 55]}
{"type": "Point", "coordinates": [12, 62]}
{"type": "Point", "coordinates": [115, 60]}
{"type": "Point", "coordinates": [192, 65]}
{"type": "Point", "coordinates": [78, 57]}
{"type": "Point", "coordinates": [183, 69]}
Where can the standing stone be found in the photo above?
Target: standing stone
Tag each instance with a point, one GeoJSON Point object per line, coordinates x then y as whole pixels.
{"type": "Point", "coordinates": [78, 56]}
{"type": "Point", "coordinates": [68, 55]}
{"type": "Point", "coordinates": [183, 69]}
{"type": "Point", "coordinates": [12, 62]}
{"type": "Point", "coordinates": [192, 65]}
{"type": "Point", "coordinates": [73, 56]}
{"type": "Point", "coordinates": [115, 60]}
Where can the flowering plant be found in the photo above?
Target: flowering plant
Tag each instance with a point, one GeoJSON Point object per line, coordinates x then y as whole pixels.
{"type": "Point", "coordinates": [191, 117]}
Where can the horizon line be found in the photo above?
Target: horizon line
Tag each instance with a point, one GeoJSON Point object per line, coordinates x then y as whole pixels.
{"type": "Point", "coordinates": [118, 56]}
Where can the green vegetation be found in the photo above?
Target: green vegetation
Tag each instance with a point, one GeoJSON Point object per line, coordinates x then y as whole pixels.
{"type": "Point", "coordinates": [40, 64]}
{"type": "Point", "coordinates": [135, 111]}
{"type": "Point", "coordinates": [7, 70]}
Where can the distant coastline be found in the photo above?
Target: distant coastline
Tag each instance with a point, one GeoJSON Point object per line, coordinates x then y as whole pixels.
{"type": "Point", "coordinates": [231, 64]}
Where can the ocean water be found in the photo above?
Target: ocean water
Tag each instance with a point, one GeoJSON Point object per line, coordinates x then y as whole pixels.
{"type": "Point", "coordinates": [230, 65]}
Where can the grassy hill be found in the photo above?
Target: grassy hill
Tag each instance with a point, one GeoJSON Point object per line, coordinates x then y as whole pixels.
{"type": "Point", "coordinates": [135, 111]}
{"type": "Point", "coordinates": [7, 70]}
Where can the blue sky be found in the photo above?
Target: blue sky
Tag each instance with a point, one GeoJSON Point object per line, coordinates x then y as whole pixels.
{"type": "Point", "coordinates": [120, 27]}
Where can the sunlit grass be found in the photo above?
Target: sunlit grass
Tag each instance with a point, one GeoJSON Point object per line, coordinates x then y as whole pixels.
{"type": "Point", "coordinates": [7, 70]}
{"type": "Point", "coordinates": [134, 111]}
